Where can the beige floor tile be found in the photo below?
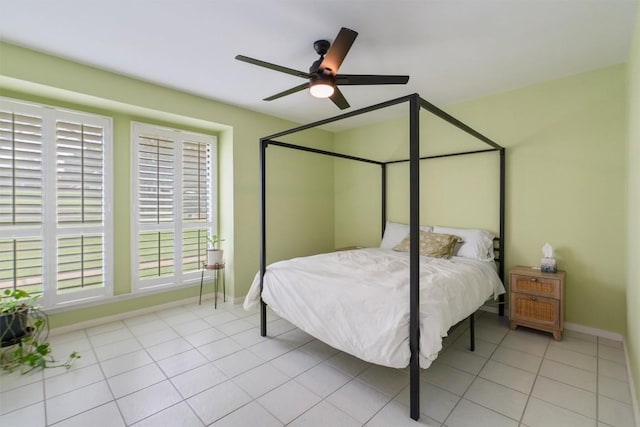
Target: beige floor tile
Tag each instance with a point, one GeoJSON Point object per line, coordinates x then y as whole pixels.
{"type": "Point", "coordinates": [566, 396]}
{"type": "Point", "coordinates": [517, 359]}
{"type": "Point", "coordinates": [615, 413]}
{"type": "Point", "coordinates": [463, 360]}
{"type": "Point", "coordinates": [614, 389]}
{"type": "Point", "coordinates": [447, 377]}
{"type": "Point", "coordinates": [251, 414]}
{"type": "Point", "coordinates": [576, 377]}
{"type": "Point", "coordinates": [499, 398]}
{"type": "Point", "coordinates": [613, 370]}
{"type": "Point", "coordinates": [572, 358]}
{"type": "Point", "coordinates": [508, 376]}
{"type": "Point", "coordinates": [289, 401]}
{"type": "Point", "coordinates": [612, 354]}
{"type": "Point", "coordinates": [543, 414]}
{"type": "Point", "coordinates": [577, 344]}
{"type": "Point", "coordinates": [325, 414]}
{"type": "Point", "coordinates": [227, 397]}
{"type": "Point", "coordinates": [527, 341]}
{"type": "Point", "coordinates": [469, 414]}
{"type": "Point", "coordinates": [397, 415]}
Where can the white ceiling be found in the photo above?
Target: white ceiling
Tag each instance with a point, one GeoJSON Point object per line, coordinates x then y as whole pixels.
{"type": "Point", "coordinates": [452, 50]}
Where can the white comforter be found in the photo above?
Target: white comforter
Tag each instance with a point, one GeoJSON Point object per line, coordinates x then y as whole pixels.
{"type": "Point", "coordinates": [358, 301]}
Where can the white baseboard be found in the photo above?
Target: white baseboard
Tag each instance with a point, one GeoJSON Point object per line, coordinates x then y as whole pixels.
{"type": "Point", "coordinates": [236, 300]}
{"type": "Point", "coordinates": [634, 397]}
{"type": "Point", "coordinates": [593, 331]}
{"type": "Point", "coordinates": [128, 314]}
{"type": "Point", "coordinates": [567, 325]}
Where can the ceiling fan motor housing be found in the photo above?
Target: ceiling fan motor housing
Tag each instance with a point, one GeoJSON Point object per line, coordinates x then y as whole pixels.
{"type": "Point", "coordinates": [321, 46]}
{"type": "Point", "coordinates": [322, 77]}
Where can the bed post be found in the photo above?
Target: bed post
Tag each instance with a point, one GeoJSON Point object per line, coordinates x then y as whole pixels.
{"type": "Point", "coordinates": [414, 260]}
{"type": "Point", "coordinates": [383, 169]}
{"type": "Point", "coordinates": [263, 233]}
{"type": "Point", "coordinates": [502, 218]}
{"type": "Point", "coordinates": [472, 332]}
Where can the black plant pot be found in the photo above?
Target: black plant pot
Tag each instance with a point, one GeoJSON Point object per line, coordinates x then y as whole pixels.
{"type": "Point", "coordinates": [13, 327]}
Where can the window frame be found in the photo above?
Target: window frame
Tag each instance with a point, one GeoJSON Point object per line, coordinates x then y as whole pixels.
{"type": "Point", "coordinates": [49, 230]}
{"type": "Point", "coordinates": [178, 278]}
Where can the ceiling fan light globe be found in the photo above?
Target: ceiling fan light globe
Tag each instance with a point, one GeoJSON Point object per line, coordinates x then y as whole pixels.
{"type": "Point", "coordinates": [321, 90]}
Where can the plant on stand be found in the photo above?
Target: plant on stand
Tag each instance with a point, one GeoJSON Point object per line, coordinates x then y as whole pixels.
{"type": "Point", "coordinates": [24, 331]}
{"type": "Point", "coordinates": [214, 253]}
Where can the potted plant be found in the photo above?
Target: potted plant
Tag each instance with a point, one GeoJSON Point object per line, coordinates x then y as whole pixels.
{"type": "Point", "coordinates": [24, 331]}
{"type": "Point", "coordinates": [14, 310]}
{"type": "Point", "coordinates": [214, 253]}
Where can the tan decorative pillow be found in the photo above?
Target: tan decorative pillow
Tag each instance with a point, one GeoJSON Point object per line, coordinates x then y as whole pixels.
{"type": "Point", "coordinates": [432, 244]}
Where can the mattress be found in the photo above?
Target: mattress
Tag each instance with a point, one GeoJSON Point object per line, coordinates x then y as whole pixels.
{"type": "Point", "coordinates": [357, 301]}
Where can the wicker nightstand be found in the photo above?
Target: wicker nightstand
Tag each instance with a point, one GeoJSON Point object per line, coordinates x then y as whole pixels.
{"type": "Point", "coordinates": [536, 300]}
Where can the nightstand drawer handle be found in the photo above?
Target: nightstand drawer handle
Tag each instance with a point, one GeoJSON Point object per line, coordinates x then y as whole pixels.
{"type": "Point", "coordinates": [534, 299]}
{"type": "Point", "coordinates": [534, 279]}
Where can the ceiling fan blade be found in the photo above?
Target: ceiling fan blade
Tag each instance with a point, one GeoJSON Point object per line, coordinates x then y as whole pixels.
{"type": "Point", "coordinates": [287, 92]}
{"type": "Point", "coordinates": [339, 99]}
{"type": "Point", "coordinates": [273, 66]}
{"type": "Point", "coordinates": [339, 49]}
{"type": "Point", "coordinates": [370, 79]}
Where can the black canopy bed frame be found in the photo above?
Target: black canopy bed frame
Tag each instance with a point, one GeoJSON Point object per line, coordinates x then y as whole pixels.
{"type": "Point", "coordinates": [415, 104]}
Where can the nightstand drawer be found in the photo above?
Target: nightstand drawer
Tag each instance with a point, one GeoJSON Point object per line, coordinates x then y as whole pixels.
{"type": "Point", "coordinates": [535, 309]}
{"type": "Point", "coordinates": [541, 286]}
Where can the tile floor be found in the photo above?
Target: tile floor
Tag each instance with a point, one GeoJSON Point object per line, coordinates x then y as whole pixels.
{"type": "Point", "coordinates": [194, 366]}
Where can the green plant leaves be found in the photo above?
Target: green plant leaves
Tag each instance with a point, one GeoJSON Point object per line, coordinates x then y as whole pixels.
{"type": "Point", "coordinates": [30, 349]}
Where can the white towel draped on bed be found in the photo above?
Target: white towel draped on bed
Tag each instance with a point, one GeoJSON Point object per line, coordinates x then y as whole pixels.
{"type": "Point", "coordinates": [358, 301]}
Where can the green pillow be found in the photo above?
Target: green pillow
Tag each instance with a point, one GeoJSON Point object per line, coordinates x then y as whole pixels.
{"type": "Point", "coordinates": [435, 245]}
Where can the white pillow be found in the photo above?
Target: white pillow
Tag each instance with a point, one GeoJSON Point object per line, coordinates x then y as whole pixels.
{"type": "Point", "coordinates": [394, 233]}
{"type": "Point", "coordinates": [476, 244]}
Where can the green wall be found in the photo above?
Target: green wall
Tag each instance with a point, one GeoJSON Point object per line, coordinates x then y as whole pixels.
{"type": "Point", "coordinates": [32, 76]}
{"type": "Point", "coordinates": [566, 183]}
{"type": "Point", "coordinates": [450, 187]}
{"type": "Point", "coordinates": [633, 271]}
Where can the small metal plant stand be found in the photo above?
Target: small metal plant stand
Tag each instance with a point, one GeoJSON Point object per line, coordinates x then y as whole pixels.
{"type": "Point", "coordinates": [218, 269]}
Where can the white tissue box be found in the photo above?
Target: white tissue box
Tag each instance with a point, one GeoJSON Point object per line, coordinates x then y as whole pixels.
{"type": "Point", "coordinates": [548, 265]}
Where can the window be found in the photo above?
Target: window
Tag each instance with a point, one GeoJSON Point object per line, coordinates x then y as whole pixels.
{"type": "Point", "coordinates": [174, 193]}
{"type": "Point", "coordinates": [55, 203]}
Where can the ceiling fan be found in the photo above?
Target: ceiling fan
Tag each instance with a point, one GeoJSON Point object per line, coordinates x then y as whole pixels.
{"type": "Point", "coordinates": [323, 78]}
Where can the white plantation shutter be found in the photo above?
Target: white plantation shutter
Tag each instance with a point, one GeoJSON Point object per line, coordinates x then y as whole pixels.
{"type": "Point", "coordinates": [156, 254]}
{"type": "Point", "coordinates": [80, 176]}
{"type": "Point", "coordinates": [196, 181]}
{"type": "Point", "coordinates": [80, 161]}
{"type": "Point", "coordinates": [80, 264]}
{"type": "Point", "coordinates": [155, 180]}
{"type": "Point", "coordinates": [173, 202]}
{"type": "Point", "coordinates": [20, 201]}
{"type": "Point", "coordinates": [20, 169]}
{"type": "Point", "coordinates": [156, 193]}
{"type": "Point", "coordinates": [194, 248]}
{"type": "Point", "coordinates": [21, 264]}
{"type": "Point", "coordinates": [54, 202]}
{"type": "Point", "coordinates": [79, 194]}
{"type": "Point", "coordinates": [196, 202]}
